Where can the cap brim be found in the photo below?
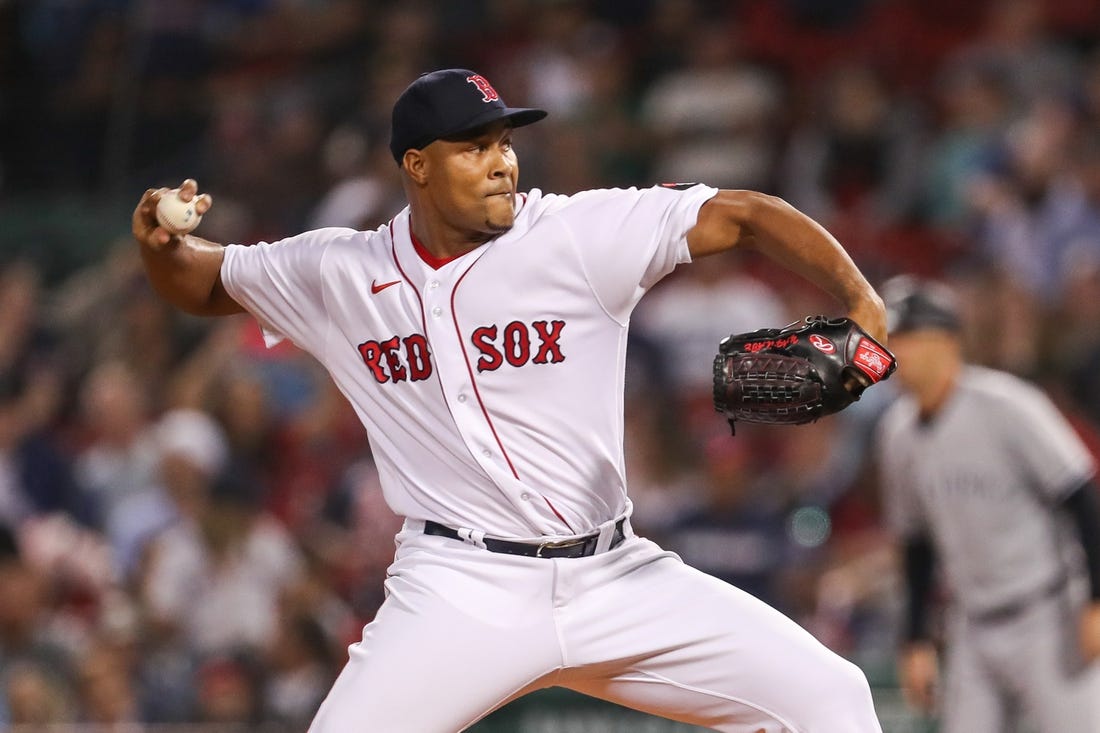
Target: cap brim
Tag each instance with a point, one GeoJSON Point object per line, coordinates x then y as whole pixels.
{"type": "Point", "coordinates": [521, 116]}
{"type": "Point", "coordinates": [518, 116]}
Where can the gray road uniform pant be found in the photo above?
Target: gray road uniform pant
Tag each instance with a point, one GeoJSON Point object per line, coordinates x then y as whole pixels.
{"type": "Point", "coordinates": [1022, 665]}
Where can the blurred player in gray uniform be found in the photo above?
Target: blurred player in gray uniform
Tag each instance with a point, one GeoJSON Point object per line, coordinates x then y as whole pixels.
{"type": "Point", "coordinates": [984, 477]}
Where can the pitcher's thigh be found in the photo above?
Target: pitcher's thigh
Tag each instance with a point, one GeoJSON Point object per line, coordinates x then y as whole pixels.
{"type": "Point", "coordinates": [695, 649]}
{"type": "Point", "coordinates": [425, 666]}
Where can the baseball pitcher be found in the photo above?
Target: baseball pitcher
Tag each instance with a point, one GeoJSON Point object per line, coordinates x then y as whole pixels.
{"type": "Point", "coordinates": [480, 335]}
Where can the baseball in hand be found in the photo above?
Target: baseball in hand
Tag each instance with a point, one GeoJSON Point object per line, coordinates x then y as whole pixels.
{"type": "Point", "coordinates": [176, 215]}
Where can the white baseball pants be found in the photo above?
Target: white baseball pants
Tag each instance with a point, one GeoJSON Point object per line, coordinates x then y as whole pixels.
{"type": "Point", "coordinates": [464, 631]}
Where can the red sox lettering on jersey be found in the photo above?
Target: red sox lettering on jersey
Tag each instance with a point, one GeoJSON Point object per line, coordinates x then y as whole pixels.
{"type": "Point", "coordinates": [383, 358]}
{"type": "Point", "coordinates": [513, 346]}
{"type": "Point", "coordinates": [398, 359]}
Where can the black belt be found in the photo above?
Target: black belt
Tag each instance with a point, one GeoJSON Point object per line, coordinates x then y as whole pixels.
{"type": "Point", "coordinates": [576, 547]}
{"type": "Point", "coordinates": [1009, 610]}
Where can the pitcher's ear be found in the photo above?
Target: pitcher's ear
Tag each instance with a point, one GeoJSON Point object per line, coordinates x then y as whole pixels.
{"type": "Point", "coordinates": [415, 164]}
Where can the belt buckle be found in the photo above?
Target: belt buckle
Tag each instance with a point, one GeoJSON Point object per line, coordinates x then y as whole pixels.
{"type": "Point", "coordinates": [558, 545]}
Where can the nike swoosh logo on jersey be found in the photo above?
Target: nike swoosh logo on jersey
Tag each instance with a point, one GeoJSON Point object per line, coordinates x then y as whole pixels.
{"type": "Point", "coordinates": [375, 288]}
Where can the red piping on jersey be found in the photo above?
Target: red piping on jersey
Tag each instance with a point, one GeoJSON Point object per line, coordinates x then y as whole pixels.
{"type": "Point", "coordinates": [416, 292]}
{"type": "Point", "coordinates": [557, 513]}
{"type": "Point", "coordinates": [465, 357]}
{"type": "Point", "coordinates": [548, 502]}
{"type": "Point", "coordinates": [435, 263]}
{"type": "Point", "coordinates": [477, 394]}
{"type": "Point", "coordinates": [473, 382]}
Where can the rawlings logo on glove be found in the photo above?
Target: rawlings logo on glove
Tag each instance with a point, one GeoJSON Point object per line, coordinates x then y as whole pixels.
{"type": "Point", "coordinates": [797, 374]}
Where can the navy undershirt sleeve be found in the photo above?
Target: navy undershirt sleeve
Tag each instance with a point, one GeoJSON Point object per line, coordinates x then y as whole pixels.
{"type": "Point", "coordinates": [1083, 504]}
{"type": "Point", "coordinates": [920, 560]}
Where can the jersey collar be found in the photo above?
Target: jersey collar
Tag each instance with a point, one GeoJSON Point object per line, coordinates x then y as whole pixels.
{"type": "Point", "coordinates": [437, 262]}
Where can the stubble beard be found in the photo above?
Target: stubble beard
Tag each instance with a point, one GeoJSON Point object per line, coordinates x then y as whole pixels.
{"type": "Point", "coordinates": [503, 222]}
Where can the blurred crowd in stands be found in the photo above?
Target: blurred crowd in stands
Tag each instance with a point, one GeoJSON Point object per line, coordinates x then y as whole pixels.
{"type": "Point", "coordinates": [191, 527]}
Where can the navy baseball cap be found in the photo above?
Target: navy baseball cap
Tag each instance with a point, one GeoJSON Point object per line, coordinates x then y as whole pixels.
{"type": "Point", "coordinates": [913, 304]}
{"type": "Point", "coordinates": [445, 103]}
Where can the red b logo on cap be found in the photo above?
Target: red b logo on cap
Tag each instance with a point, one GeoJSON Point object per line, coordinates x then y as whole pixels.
{"type": "Point", "coordinates": [488, 94]}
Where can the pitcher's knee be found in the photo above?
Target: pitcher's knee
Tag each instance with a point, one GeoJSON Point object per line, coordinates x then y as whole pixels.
{"type": "Point", "coordinates": [842, 702]}
{"type": "Point", "coordinates": [835, 697]}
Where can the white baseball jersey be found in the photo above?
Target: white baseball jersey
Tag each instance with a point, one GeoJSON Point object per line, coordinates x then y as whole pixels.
{"type": "Point", "coordinates": [490, 384]}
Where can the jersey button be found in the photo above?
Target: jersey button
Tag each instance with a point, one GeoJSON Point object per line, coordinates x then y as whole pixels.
{"type": "Point", "coordinates": [437, 311]}
{"type": "Point", "coordinates": [433, 284]}
{"type": "Point", "coordinates": [525, 496]}
{"type": "Point", "coordinates": [462, 398]}
{"type": "Point", "coordinates": [486, 453]}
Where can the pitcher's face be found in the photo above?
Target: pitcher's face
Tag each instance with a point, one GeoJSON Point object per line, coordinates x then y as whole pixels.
{"type": "Point", "coordinates": [471, 181]}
